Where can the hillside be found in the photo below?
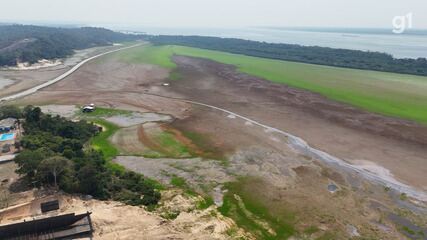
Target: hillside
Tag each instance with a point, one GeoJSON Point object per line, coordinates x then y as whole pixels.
{"type": "Point", "coordinates": [31, 43]}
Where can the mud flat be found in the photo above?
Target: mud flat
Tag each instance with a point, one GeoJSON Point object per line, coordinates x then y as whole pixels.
{"type": "Point", "coordinates": [23, 79]}
{"type": "Point", "coordinates": [113, 84]}
{"type": "Point", "coordinates": [67, 111]}
{"type": "Point", "coordinates": [368, 170]}
{"type": "Point", "coordinates": [338, 129]}
{"type": "Point", "coordinates": [5, 82]}
{"type": "Point", "coordinates": [254, 124]}
{"type": "Point", "coordinates": [282, 175]}
{"type": "Point", "coordinates": [138, 118]}
{"type": "Point", "coordinates": [328, 127]}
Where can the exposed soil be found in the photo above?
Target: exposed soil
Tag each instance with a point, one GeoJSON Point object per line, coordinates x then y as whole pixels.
{"type": "Point", "coordinates": [67, 111]}
{"type": "Point", "coordinates": [13, 81]}
{"type": "Point", "coordinates": [341, 130]}
{"type": "Point", "coordinates": [106, 82]}
{"type": "Point", "coordinates": [127, 140]}
{"type": "Point", "coordinates": [138, 118]}
{"type": "Point", "coordinates": [338, 129]}
{"type": "Point", "coordinates": [288, 179]}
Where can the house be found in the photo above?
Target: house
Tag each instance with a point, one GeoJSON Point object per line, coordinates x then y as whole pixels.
{"type": "Point", "coordinates": [8, 124]}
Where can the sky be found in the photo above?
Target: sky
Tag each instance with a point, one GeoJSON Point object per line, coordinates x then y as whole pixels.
{"type": "Point", "coordinates": [216, 13]}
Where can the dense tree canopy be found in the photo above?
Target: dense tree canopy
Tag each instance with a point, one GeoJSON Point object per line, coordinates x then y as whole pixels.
{"type": "Point", "coordinates": [32, 43]}
{"type": "Point", "coordinates": [10, 111]}
{"type": "Point", "coordinates": [290, 52]}
{"type": "Point", "coordinates": [55, 154]}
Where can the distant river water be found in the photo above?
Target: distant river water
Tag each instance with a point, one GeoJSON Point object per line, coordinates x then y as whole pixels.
{"type": "Point", "coordinates": [400, 46]}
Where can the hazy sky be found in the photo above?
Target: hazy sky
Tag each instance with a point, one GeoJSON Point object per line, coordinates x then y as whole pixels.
{"type": "Point", "coordinates": [216, 13]}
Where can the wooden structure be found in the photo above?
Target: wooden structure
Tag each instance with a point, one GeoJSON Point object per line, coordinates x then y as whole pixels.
{"type": "Point", "coordinates": [68, 226]}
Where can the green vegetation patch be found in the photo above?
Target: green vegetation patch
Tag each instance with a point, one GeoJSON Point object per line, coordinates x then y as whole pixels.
{"type": "Point", "coordinates": [181, 183]}
{"type": "Point", "coordinates": [54, 155]}
{"type": "Point", "coordinates": [53, 43]}
{"type": "Point", "coordinates": [147, 54]}
{"type": "Point", "coordinates": [101, 143]}
{"type": "Point", "coordinates": [171, 146]}
{"type": "Point", "coordinates": [105, 112]}
{"type": "Point", "coordinates": [207, 148]}
{"type": "Point", "coordinates": [178, 182]}
{"type": "Point", "coordinates": [245, 205]}
{"type": "Point", "coordinates": [205, 203]}
{"type": "Point", "coordinates": [390, 94]}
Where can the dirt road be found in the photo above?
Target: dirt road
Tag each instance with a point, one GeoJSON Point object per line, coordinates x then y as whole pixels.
{"type": "Point", "coordinates": [62, 76]}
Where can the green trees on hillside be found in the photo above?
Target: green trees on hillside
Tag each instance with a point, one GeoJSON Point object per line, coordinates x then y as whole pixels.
{"type": "Point", "coordinates": [55, 155]}
{"type": "Point", "coordinates": [31, 43]}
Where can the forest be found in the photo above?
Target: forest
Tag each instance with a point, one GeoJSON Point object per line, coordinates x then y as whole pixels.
{"type": "Point", "coordinates": [26, 43]}
{"type": "Point", "coordinates": [306, 54]}
{"type": "Point", "coordinates": [56, 154]}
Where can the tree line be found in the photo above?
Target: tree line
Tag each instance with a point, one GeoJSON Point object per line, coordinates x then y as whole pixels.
{"type": "Point", "coordinates": [56, 154]}
{"type": "Point", "coordinates": [306, 54]}
{"type": "Point", "coordinates": [26, 43]}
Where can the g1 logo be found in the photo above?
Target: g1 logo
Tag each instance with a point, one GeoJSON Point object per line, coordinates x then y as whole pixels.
{"type": "Point", "coordinates": [401, 23]}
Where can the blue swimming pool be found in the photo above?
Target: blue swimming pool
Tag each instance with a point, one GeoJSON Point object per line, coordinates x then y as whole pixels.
{"type": "Point", "coordinates": [7, 136]}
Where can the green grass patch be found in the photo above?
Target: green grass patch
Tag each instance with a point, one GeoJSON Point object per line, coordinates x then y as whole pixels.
{"type": "Point", "coordinates": [247, 207]}
{"type": "Point", "coordinates": [171, 146]}
{"type": "Point", "coordinates": [105, 112]}
{"type": "Point", "coordinates": [170, 215]}
{"type": "Point", "coordinates": [390, 94]}
{"type": "Point", "coordinates": [178, 182]}
{"type": "Point", "coordinates": [100, 142]}
{"type": "Point", "coordinates": [205, 203]}
{"type": "Point", "coordinates": [149, 55]}
{"type": "Point", "coordinates": [174, 75]}
{"type": "Point", "coordinates": [155, 184]}
{"type": "Point", "coordinates": [208, 149]}
{"type": "Point", "coordinates": [181, 183]}
{"type": "Point", "coordinates": [408, 230]}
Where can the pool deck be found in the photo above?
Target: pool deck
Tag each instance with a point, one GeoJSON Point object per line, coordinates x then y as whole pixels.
{"type": "Point", "coordinates": [7, 158]}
